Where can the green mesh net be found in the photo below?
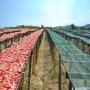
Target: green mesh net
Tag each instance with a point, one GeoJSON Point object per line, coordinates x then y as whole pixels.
{"type": "Point", "coordinates": [76, 62]}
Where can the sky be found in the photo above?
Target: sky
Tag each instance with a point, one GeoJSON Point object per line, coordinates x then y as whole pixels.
{"type": "Point", "coordinates": [46, 12]}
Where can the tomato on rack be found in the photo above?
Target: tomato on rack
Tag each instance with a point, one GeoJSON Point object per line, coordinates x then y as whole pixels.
{"type": "Point", "coordinates": [13, 60]}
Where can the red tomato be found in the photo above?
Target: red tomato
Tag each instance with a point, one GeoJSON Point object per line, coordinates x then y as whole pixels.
{"type": "Point", "coordinates": [13, 60]}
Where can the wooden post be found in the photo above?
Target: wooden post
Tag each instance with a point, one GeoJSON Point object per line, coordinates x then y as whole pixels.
{"type": "Point", "coordinates": [89, 48]}
{"type": "Point", "coordinates": [30, 62]}
{"type": "Point", "coordinates": [77, 41]}
{"type": "Point", "coordinates": [18, 37]}
{"type": "Point", "coordinates": [34, 60]}
{"type": "Point", "coordinates": [79, 44]}
{"type": "Point", "coordinates": [10, 42]}
{"type": "Point", "coordinates": [85, 83]}
{"type": "Point", "coordinates": [21, 82]}
{"type": "Point", "coordinates": [5, 44]}
{"type": "Point", "coordinates": [53, 51]}
{"type": "Point", "coordinates": [37, 50]}
{"type": "Point", "coordinates": [0, 48]}
{"type": "Point", "coordinates": [59, 76]}
{"type": "Point", "coordinates": [86, 48]}
{"type": "Point", "coordinates": [70, 85]}
{"type": "Point", "coordinates": [83, 46]}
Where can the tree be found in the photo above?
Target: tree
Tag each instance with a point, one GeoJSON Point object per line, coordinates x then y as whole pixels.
{"type": "Point", "coordinates": [82, 28]}
{"type": "Point", "coordinates": [73, 26]}
{"type": "Point", "coordinates": [42, 26]}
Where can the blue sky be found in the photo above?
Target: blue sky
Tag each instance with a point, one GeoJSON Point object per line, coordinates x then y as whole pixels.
{"type": "Point", "coordinates": [46, 12]}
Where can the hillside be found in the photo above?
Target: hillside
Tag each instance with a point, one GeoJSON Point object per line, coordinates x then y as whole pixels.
{"type": "Point", "coordinates": [87, 26]}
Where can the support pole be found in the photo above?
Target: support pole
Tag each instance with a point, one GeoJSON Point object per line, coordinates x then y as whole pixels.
{"type": "Point", "coordinates": [34, 60]}
{"type": "Point", "coordinates": [89, 48]}
{"type": "Point", "coordinates": [21, 82]}
{"type": "Point", "coordinates": [0, 46]}
{"type": "Point", "coordinates": [77, 42]}
{"type": "Point", "coordinates": [30, 62]}
{"type": "Point", "coordinates": [59, 76]}
{"type": "Point", "coordinates": [83, 46]}
{"type": "Point", "coordinates": [53, 52]}
{"type": "Point", "coordinates": [5, 44]}
{"type": "Point", "coordinates": [70, 85]}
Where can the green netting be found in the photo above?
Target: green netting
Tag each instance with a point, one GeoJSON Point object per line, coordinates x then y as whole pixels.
{"type": "Point", "coordinates": [77, 63]}
{"type": "Point", "coordinates": [82, 33]}
{"type": "Point", "coordinates": [86, 40]}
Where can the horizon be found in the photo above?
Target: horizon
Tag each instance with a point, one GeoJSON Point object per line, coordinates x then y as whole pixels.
{"type": "Point", "coordinates": [44, 12]}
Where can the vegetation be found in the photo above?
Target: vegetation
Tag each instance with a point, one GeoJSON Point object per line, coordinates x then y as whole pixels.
{"type": "Point", "coordinates": [27, 26]}
{"type": "Point", "coordinates": [82, 28]}
{"type": "Point", "coordinates": [73, 26]}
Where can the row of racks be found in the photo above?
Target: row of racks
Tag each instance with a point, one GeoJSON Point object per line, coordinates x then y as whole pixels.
{"type": "Point", "coordinates": [74, 60]}
{"type": "Point", "coordinates": [7, 42]}
{"type": "Point", "coordinates": [82, 42]}
{"type": "Point", "coordinates": [29, 67]}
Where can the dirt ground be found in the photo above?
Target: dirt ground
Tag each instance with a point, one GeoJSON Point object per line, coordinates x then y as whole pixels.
{"type": "Point", "coordinates": [46, 76]}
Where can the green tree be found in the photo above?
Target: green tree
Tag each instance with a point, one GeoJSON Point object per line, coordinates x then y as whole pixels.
{"type": "Point", "coordinates": [42, 26]}
{"type": "Point", "coordinates": [73, 26]}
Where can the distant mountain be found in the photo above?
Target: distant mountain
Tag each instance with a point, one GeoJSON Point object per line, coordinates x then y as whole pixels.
{"type": "Point", "coordinates": [87, 26]}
